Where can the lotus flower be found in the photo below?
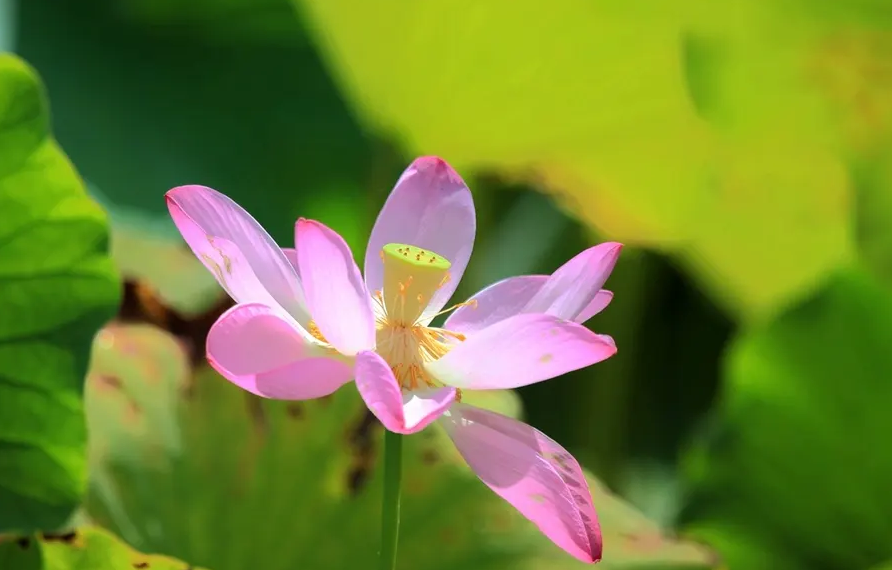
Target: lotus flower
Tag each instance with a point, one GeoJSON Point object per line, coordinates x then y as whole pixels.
{"type": "Point", "coordinates": [306, 323]}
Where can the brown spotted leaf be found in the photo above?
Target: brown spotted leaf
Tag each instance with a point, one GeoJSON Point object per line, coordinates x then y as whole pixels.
{"type": "Point", "coordinates": [87, 548]}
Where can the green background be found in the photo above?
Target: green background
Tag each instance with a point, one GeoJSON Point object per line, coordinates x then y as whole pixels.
{"type": "Point", "coordinates": [741, 150]}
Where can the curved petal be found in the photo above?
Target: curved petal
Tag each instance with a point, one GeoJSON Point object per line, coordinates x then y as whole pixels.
{"type": "Point", "coordinates": [335, 293]}
{"type": "Point", "coordinates": [571, 286]}
{"type": "Point", "coordinates": [236, 249]}
{"type": "Point", "coordinates": [497, 302]}
{"type": "Point", "coordinates": [400, 413]}
{"type": "Point", "coordinates": [599, 303]}
{"type": "Point", "coordinates": [264, 352]}
{"type": "Point", "coordinates": [607, 339]}
{"type": "Point", "coordinates": [571, 289]}
{"type": "Point", "coordinates": [254, 338]}
{"type": "Point", "coordinates": [518, 351]}
{"type": "Point", "coordinates": [533, 473]}
{"type": "Point", "coordinates": [430, 207]}
{"type": "Point", "coordinates": [305, 379]}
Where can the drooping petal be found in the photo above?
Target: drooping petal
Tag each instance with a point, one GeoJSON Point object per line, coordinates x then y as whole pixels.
{"type": "Point", "coordinates": [497, 302]}
{"type": "Point", "coordinates": [518, 351]}
{"type": "Point", "coordinates": [598, 304]}
{"type": "Point", "coordinates": [236, 249]}
{"type": "Point", "coordinates": [335, 293]}
{"type": "Point", "coordinates": [574, 286]}
{"type": "Point", "coordinates": [400, 413]}
{"type": "Point", "coordinates": [533, 473]}
{"type": "Point", "coordinates": [265, 352]}
{"type": "Point", "coordinates": [430, 207]}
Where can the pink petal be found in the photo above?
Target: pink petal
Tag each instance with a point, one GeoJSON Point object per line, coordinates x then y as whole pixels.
{"type": "Point", "coordinates": [497, 302]}
{"type": "Point", "coordinates": [574, 286]}
{"type": "Point", "coordinates": [304, 380]}
{"type": "Point", "coordinates": [400, 413]}
{"type": "Point", "coordinates": [607, 339]}
{"type": "Point", "coordinates": [335, 293]}
{"type": "Point", "coordinates": [430, 207]}
{"type": "Point", "coordinates": [236, 249]}
{"type": "Point", "coordinates": [253, 338]}
{"type": "Point", "coordinates": [533, 473]}
{"type": "Point", "coordinates": [291, 256]}
{"type": "Point", "coordinates": [265, 352]}
{"type": "Point", "coordinates": [528, 293]}
{"type": "Point", "coordinates": [598, 304]}
{"type": "Point", "coordinates": [520, 350]}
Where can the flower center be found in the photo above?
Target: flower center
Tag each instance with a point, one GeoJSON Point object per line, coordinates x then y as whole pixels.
{"type": "Point", "coordinates": [411, 277]}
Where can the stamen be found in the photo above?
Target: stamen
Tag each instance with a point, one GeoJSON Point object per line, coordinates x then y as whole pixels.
{"type": "Point", "coordinates": [472, 303]}
{"type": "Point", "coordinates": [455, 335]}
{"type": "Point", "coordinates": [314, 331]}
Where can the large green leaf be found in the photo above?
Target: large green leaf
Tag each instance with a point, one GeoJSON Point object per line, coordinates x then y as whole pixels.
{"type": "Point", "coordinates": [86, 548]}
{"type": "Point", "coordinates": [589, 95]}
{"type": "Point", "coordinates": [697, 127]}
{"type": "Point", "coordinates": [788, 92]}
{"type": "Point", "coordinates": [57, 287]}
{"type": "Point", "coordinates": [180, 463]}
{"type": "Point", "coordinates": [797, 461]}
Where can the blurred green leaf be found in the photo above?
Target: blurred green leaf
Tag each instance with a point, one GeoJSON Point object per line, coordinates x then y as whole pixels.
{"type": "Point", "coordinates": [778, 218]}
{"type": "Point", "coordinates": [874, 178]}
{"type": "Point", "coordinates": [585, 94]}
{"type": "Point", "coordinates": [8, 10]}
{"type": "Point", "coordinates": [743, 552]}
{"type": "Point", "coordinates": [154, 366]}
{"type": "Point", "coordinates": [87, 548]}
{"type": "Point", "coordinates": [820, 121]}
{"type": "Point", "coordinates": [795, 459]}
{"type": "Point", "coordinates": [695, 127]}
{"type": "Point", "coordinates": [57, 287]}
{"type": "Point", "coordinates": [297, 481]}
{"type": "Point", "coordinates": [777, 225]}
{"type": "Point", "coordinates": [854, 67]}
{"type": "Point", "coordinates": [257, 20]}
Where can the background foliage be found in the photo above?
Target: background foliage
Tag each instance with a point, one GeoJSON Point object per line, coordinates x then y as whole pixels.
{"type": "Point", "coordinates": [742, 150]}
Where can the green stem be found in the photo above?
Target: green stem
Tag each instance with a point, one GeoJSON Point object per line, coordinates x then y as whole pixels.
{"type": "Point", "coordinates": [390, 510]}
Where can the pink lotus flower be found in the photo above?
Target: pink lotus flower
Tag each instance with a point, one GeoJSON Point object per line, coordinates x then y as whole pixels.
{"type": "Point", "coordinates": [306, 323]}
